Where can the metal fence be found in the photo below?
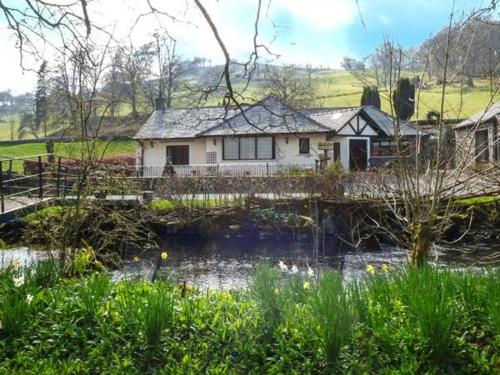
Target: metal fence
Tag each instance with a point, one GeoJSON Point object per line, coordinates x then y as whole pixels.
{"type": "Point", "coordinates": [225, 169]}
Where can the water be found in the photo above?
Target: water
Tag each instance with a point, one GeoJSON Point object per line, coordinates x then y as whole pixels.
{"type": "Point", "coordinates": [228, 263]}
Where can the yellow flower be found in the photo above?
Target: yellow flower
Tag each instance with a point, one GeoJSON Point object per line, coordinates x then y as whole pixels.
{"type": "Point", "coordinates": [276, 291]}
{"type": "Point", "coordinates": [164, 255]}
{"type": "Point", "coordinates": [370, 269]}
{"type": "Point", "coordinates": [385, 267]}
{"type": "Point", "coordinates": [16, 264]}
{"type": "Point", "coordinates": [307, 285]}
{"type": "Point", "coordinates": [136, 259]}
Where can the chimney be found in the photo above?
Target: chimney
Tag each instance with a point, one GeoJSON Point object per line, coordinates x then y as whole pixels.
{"type": "Point", "coordinates": [160, 104]}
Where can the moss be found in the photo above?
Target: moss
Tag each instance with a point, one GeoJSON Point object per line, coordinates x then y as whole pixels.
{"type": "Point", "coordinates": [53, 212]}
{"type": "Point", "coordinates": [484, 199]}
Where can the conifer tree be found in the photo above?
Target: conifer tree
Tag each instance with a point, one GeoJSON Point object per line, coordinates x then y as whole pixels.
{"type": "Point", "coordinates": [41, 101]}
{"type": "Point", "coordinates": [403, 99]}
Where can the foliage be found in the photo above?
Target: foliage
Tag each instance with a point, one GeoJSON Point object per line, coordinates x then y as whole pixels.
{"type": "Point", "coordinates": [370, 96]}
{"type": "Point", "coordinates": [403, 99]}
{"type": "Point", "coordinates": [411, 321]}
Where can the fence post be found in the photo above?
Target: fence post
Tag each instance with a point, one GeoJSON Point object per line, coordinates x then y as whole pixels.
{"type": "Point", "coordinates": [65, 182]}
{"type": "Point", "coordinates": [10, 169]}
{"type": "Point", "coordinates": [1, 187]}
{"type": "Point", "coordinates": [58, 183]}
{"type": "Point", "coordinates": [40, 178]}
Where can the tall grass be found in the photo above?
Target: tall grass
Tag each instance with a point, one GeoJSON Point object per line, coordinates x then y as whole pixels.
{"type": "Point", "coordinates": [332, 318]}
{"type": "Point", "coordinates": [408, 321]}
{"type": "Point", "coordinates": [158, 311]}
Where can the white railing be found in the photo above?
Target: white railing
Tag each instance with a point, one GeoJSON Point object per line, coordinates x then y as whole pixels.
{"type": "Point", "coordinates": [225, 169]}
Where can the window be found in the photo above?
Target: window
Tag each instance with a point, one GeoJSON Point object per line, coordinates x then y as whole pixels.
{"type": "Point", "coordinates": [231, 148]}
{"type": "Point", "coordinates": [248, 148]}
{"type": "Point", "coordinates": [265, 148]}
{"type": "Point", "coordinates": [336, 151]}
{"type": "Point", "coordinates": [211, 157]}
{"type": "Point", "coordinates": [303, 145]}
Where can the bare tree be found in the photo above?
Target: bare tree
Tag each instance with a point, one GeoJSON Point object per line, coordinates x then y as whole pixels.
{"type": "Point", "coordinates": [290, 83]}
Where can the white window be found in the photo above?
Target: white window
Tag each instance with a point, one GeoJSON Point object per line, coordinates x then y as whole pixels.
{"type": "Point", "coordinates": [265, 148]}
{"type": "Point", "coordinates": [247, 148]}
{"type": "Point", "coordinates": [211, 157]}
{"type": "Point", "coordinates": [231, 148]}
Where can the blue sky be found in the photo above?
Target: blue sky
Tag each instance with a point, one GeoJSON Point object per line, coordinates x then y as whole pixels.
{"type": "Point", "coordinates": [316, 32]}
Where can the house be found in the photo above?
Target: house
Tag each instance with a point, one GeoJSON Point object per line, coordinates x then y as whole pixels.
{"type": "Point", "coordinates": [478, 137]}
{"type": "Point", "coordinates": [265, 137]}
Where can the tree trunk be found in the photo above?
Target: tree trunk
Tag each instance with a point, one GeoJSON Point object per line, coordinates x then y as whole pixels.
{"type": "Point", "coordinates": [421, 235]}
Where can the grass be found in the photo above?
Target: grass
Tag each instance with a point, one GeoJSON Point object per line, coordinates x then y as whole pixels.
{"type": "Point", "coordinates": [409, 321]}
{"type": "Point", "coordinates": [66, 149]}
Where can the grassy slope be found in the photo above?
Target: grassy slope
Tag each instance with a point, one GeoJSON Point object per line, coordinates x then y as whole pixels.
{"type": "Point", "coordinates": [338, 88]}
{"type": "Point", "coordinates": [68, 149]}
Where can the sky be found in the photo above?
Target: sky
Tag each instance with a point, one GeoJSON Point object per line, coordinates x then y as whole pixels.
{"type": "Point", "coordinates": [316, 32]}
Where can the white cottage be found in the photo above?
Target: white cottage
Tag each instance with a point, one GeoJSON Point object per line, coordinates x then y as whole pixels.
{"type": "Point", "coordinates": [265, 137]}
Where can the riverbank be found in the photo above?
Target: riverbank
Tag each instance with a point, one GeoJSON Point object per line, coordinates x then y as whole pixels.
{"type": "Point", "coordinates": [410, 321]}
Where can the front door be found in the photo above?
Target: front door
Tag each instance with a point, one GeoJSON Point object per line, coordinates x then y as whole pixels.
{"type": "Point", "coordinates": [178, 155]}
{"type": "Point", "coordinates": [358, 154]}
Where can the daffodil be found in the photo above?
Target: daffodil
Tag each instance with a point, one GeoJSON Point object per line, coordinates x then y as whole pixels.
{"type": "Point", "coordinates": [164, 255]}
{"type": "Point", "coordinates": [276, 291]}
{"type": "Point", "coordinates": [370, 269]}
{"type": "Point", "coordinates": [18, 281]}
{"type": "Point", "coordinates": [294, 269]}
{"type": "Point", "coordinates": [29, 298]}
{"type": "Point", "coordinates": [136, 259]}
{"type": "Point", "coordinates": [385, 267]}
{"type": "Point", "coordinates": [16, 264]}
{"type": "Point", "coordinates": [307, 285]}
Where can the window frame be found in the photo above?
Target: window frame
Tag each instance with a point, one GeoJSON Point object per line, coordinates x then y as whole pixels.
{"type": "Point", "coordinates": [239, 138]}
{"type": "Point", "coordinates": [302, 139]}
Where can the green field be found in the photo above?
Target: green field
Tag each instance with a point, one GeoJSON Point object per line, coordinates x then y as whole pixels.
{"type": "Point", "coordinates": [338, 88]}
{"type": "Point", "coordinates": [67, 149]}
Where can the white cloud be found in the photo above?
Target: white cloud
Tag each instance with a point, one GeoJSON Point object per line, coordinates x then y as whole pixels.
{"type": "Point", "coordinates": [326, 15]}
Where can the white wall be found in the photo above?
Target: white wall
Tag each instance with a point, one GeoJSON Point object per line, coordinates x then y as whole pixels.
{"type": "Point", "coordinates": [286, 153]}
{"type": "Point", "coordinates": [344, 150]}
{"type": "Point", "coordinates": [155, 152]}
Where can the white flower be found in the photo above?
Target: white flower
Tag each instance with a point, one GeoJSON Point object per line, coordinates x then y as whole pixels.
{"type": "Point", "coordinates": [18, 281]}
{"type": "Point", "coordinates": [294, 269]}
{"type": "Point", "coordinates": [29, 298]}
{"type": "Point", "coordinates": [310, 272]}
{"type": "Point", "coordinates": [282, 266]}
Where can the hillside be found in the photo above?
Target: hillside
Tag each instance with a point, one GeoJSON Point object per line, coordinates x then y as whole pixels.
{"type": "Point", "coordinates": [332, 88]}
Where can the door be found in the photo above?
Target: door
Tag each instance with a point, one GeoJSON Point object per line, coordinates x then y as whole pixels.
{"type": "Point", "coordinates": [482, 152]}
{"type": "Point", "coordinates": [358, 154]}
{"type": "Point", "coordinates": [178, 155]}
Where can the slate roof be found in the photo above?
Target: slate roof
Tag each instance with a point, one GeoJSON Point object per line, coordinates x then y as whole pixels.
{"type": "Point", "coordinates": [387, 123]}
{"type": "Point", "coordinates": [182, 122]}
{"type": "Point", "coordinates": [333, 118]}
{"type": "Point", "coordinates": [269, 116]}
{"type": "Point", "coordinates": [486, 115]}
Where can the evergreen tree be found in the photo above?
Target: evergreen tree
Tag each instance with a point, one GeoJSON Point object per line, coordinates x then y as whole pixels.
{"type": "Point", "coordinates": [403, 99]}
{"type": "Point", "coordinates": [370, 96]}
{"type": "Point", "coordinates": [41, 101]}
